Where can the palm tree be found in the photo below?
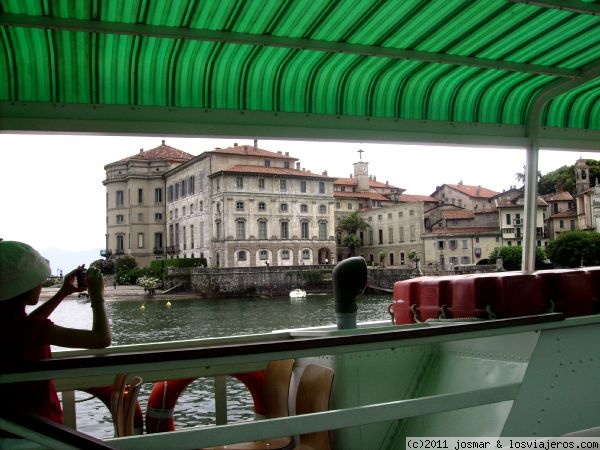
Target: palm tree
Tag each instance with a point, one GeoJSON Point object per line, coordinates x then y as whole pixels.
{"type": "Point", "coordinates": [348, 227]}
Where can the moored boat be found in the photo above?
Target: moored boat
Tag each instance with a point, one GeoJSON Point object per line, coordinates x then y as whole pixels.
{"type": "Point", "coordinates": [298, 293]}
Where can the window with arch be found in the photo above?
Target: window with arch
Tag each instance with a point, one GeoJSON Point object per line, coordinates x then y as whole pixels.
{"type": "Point", "coordinates": [305, 253]}
{"type": "Point", "coordinates": [242, 255]}
{"type": "Point", "coordinates": [263, 255]}
{"type": "Point", "coordinates": [285, 254]}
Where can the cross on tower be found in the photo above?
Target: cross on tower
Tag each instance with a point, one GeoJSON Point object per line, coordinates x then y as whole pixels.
{"type": "Point", "coordinates": [360, 152]}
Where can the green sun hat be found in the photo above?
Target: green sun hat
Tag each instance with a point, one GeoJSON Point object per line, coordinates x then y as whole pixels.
{"type": "Point", "coordinates": [21, 269]}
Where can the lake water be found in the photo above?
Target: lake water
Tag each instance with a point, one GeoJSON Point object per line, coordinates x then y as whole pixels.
{"type": "Point", "coordinates": [193, 318]}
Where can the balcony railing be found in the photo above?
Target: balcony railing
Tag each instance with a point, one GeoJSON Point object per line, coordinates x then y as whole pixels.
{"type": "Point", "coordinates": [172, 249]}
{"type": "Point", "coordinates": [105, 252]}
{"type": "Point", "coordinates": [159, 250]}
{"type": "Point", "coordinates": [119, 251]}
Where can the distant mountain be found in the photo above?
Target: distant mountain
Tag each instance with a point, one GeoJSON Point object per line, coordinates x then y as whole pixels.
{"type": "Point", "coordinates": [66, 260]}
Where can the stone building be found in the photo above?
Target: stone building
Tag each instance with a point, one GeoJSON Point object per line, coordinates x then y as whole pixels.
{"type": "Point", "coordinates": [135, 203]}
{"type": "Point", "coordinates": [236, 207]}
{"type": "Point", "coordinates": [465, 196]}
{"type": "Point", "coordinates": [562, 215]}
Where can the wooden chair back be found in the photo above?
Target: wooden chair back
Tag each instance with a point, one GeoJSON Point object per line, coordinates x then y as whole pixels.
{"type": "Point", "coordinates": [314, 393]}
{"type": "Point", "coordinates": [277, 388]}
{"type": "Point", "coordinates": [122, 404]}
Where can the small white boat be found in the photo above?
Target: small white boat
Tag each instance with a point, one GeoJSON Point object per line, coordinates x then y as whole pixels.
{"type": "Point", "coordinates": [298, 293]}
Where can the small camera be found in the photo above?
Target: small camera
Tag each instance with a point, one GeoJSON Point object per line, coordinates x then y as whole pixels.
{"type": "Point", "coordinates": [81, 279]}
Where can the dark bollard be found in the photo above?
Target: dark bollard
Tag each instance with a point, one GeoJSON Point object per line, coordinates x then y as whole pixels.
{"type": "Point", "coordinates": [349, 281]}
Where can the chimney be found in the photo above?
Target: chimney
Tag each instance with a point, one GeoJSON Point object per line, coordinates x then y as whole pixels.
{"type": "Point", "coordinates": [279, 152]}
{"type": "Point", "coordinates": [163, 142]}
{"type": "Point", "coordinates": [235, 144]}
{"type": "Point", "coordinates": [287, 153]}
{"type": "Point", "coordinates": [325, 173]}
{"type": "Point", "coordinates": [255, 144]}
{"type": "Point", "coordinates": [298, 165]}
{"type": "Point", "coordinates": [245, 149]}
{"type": "Point", "coordinates": [141, 151]}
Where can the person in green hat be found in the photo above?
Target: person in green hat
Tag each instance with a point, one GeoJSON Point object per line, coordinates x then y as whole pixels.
{"type": "Point", "coordinates": [27, 337]}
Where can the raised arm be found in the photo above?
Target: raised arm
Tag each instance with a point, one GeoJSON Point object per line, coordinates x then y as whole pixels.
{"type": "Point", "coordinates": [99, 335]}
{"type": "Point", "coordinates": [68, 287]}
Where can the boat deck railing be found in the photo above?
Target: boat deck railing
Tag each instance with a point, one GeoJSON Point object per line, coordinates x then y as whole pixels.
{"type": "Point", "coordinates": [218, 357]}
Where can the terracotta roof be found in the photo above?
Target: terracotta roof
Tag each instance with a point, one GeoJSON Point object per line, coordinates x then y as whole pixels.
{"type": "Point", "coordinates": [279, 171]}
{"type": "Point", "coordinates": [162, 152]}
{"type": "Point", "coordinates": [444, 230]}
{"type": "Point", "coordinates": [493, 210]}
{"type": "Point", "coordinates": [563, 214]}
{"type": "Point", "coordinates": [372, 183]}
{"type": "Point", "coordinates": [408, 198]}
{"type": "Point", "coordinates": [457, 214]}
{"type": "Point", "coordinates": [368, 195]}
{"type": "Point", "coordinates": [558, 196]}
{"type": "Point", "coordinates": [511, 203]}
{"type": "Point", "coordinates": [251, 151]}
{"type": "Point", "coordinates": [472, 191]}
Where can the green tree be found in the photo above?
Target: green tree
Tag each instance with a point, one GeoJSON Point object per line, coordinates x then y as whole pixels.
{"type": "Point", "coordinates": [348, 227]}
{"type": "Point", "coordinates": [513, 255]}
{"type": "Point", "coordinates": [564, 177]}
{"type": "Point", "coordinates": [575, 248]}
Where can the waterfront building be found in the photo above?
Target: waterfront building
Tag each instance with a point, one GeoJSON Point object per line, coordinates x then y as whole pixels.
{"type": "Point", "coordinates": [236, 207]}
{"type": "Point", "coordinates": [395, 231]}
{"type": "Point", "coordinates": [465, 196]}
{"type": "Point", "coordinates": [361, 192]}
{"type": "Point", "coordinates": [510, 205]}
{"type": "Point", "coordinates": [135, 203]}
{"type": "Point", "coordinates": [562, 215]}
{"type": "Point", "coordinates": [461, 237]}
{"type": "Point", "coordinates": [587, 200]}
{"type": "Point", "coordinates": [249, 207]}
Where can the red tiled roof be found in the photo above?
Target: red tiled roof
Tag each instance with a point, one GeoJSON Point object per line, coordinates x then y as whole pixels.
{"type": "Point", "coordinates": [240, 168]}
{"type": "Point", "coordinates": [564, 214]}
{"type": "Point", "coordinates": [162, 152]}
{"type": "Point", "coordinates": [558, 196]}
{"type": "Point", "coordinates": [473, 191]}
{"type": "Point", "coordinates": [346, 181]}
{"type": "Point", "coordinates": [372, 183]}
{"type": "Point", "coordinates": [251, 151]}
{"type": "Point", "coordinates": [368, 195]}
{"type": "Point", "coordinates": [444, 230]}
{"type": "Point", "coordinates": [492, 210]}
{"type": "Point", "coordinates": [511, 203]}
{"type": "Point", "coordinates": [408, 198]}
{"type": "Point", "coordinates": [457, 214]}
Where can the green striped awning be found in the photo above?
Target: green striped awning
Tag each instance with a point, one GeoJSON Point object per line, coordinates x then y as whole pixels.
{"type": "Point", "coordinates": [483, 72]}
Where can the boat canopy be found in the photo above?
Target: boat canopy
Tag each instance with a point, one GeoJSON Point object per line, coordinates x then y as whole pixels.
{"type": "Point", "coordinates": [498, 73]}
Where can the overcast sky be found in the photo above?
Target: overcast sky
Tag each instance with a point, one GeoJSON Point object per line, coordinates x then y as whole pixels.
{"type": "Point", "coordinates": [52, 194]}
